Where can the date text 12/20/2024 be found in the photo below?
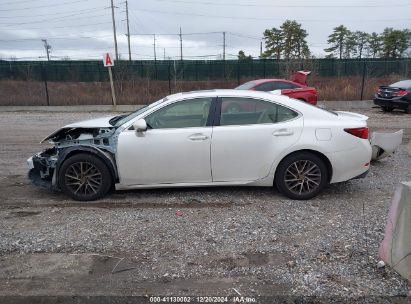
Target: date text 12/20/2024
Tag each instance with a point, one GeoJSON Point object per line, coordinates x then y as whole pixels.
{"type": "Point", "coordinates": [201, 299]}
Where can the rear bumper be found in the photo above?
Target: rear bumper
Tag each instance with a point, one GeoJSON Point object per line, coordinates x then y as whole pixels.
{"type": "Point", "coordinates": [362, 175]}
{"type": "Point", "coordinates": [350, 164]}
{"type": "Point", "coordinates": [392, 103]}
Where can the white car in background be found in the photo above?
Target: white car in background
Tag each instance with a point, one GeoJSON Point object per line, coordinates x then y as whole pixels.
{"type": "Point", "coordinates": [197, 139]}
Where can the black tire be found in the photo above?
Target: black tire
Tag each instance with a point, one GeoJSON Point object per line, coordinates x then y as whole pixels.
{"type": "Point", "coordinates": [387, 109]}
{"type": "Point", "coordinates": [86, 173]}
{"type": "Point", "coordinates": [311, 180]}
{"type": "Point", "coordinates": [408, 109]}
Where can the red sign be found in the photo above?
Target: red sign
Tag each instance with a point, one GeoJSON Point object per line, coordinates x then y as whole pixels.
{"type": "Point", "coordinates": [107, 60]}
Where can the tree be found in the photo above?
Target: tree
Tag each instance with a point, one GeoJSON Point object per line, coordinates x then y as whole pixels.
{"type": "Point", "coordinates": [374, 45]}
{"type": "Point", "coordinates": [338, 40]}
{"type": "Point", "coordinates": [273, 43]}
{"type": "Point", "coordinates": [395, 42]}
{"type": "Point", "coordinates": [362, 40]}
{"type": "Point", "coordinates": [289, 41]}
{"type": "Point", "coordinates": [350, 46]}
{"type": "Point", "coordinates": [243, 56]}
{"type": "Point", "coordinates": [295, 45]}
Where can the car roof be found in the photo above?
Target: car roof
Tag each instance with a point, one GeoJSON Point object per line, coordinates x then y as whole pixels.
{"type": "Point", "coordinates": [260, 81]}
{"type": "Point", "coordinates": [222, 93]}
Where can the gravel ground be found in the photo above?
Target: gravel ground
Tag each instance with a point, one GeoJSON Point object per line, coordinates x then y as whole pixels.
{"type": "Point", "coordinates": [231, 239]}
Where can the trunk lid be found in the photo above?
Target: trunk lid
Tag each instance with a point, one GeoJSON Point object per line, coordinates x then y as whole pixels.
{"type": "Point", "coordinates": [300, 77]}
{"type": "Point", "coordinates": [351, 116]}
{"type": "Point", "coordinates": [388, 92]}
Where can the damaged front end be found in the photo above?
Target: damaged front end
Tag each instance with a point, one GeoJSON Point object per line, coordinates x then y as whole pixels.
{"type": "Point", "coordinates": [96, 137]}
{"type": "Point", "coordinates": [42, 168]}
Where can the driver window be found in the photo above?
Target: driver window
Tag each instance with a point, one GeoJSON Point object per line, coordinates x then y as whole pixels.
{"type": "Point", "coordinates": [182, 114]}
{"type": "Point", "coordinates": [246, 111]}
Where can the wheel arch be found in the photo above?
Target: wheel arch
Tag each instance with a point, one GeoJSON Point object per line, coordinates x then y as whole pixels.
{"type": "Point", "coordinates": [322, 156]}
{"type": "Point", "coordinates": [102, 155]}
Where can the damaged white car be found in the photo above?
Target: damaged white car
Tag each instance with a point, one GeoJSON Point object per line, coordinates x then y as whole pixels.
{"type": "Point", "coordinates": [197, 139]}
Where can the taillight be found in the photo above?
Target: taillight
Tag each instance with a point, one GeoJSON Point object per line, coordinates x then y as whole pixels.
{"type": "Point", "coordinates": [312, 91]}
{"type": "Point", "coordinates": [358, 132]}
{"type": "Point", "coordinates": [400, 93]}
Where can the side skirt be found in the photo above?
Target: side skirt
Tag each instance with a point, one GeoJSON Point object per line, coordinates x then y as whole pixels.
{"type": "Point", "coordinates": [260, 183]}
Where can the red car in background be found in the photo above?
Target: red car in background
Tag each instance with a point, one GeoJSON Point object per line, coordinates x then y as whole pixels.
{"type": "Point", "coordinates": [295, 88]}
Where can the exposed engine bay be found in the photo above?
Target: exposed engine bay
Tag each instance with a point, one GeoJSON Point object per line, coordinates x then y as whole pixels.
{"type": "Point", "coordinates": [68, 141]}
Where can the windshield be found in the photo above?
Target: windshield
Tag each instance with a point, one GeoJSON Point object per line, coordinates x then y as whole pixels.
{"type": "Point", "coordinates": [246, 86]}
{"type": "Point", "coordinates": [132, 115]}
{"type": "Point", "coordinates": [404, 84]}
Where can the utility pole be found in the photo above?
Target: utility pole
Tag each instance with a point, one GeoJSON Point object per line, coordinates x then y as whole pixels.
{"type": "Point", "coordinates": [47, 47]}
{"type": "Point", "coordinates": [261, 48]}
{"type": "Point", "coordinates": [155, 54]}
{"type": "Point", "coordinates": [181, 45]}
{"type": "Point", "coordinates": [114, 28]}
{"type": "Point", "coordinates": [224, 46]}
{"type": "Point", "coordinates": [164, 53]}
{"type": "Point", "coordinates": [128, 33]}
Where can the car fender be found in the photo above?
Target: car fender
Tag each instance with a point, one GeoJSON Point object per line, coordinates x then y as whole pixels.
{"type": "Point", "coordinates": [106, 157]}
{"type": "Point", "coordinates": [297, 148]}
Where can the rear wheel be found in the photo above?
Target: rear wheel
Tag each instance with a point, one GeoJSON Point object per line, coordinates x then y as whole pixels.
{"type": "Point", "coordinates": [301, 176]}
{"type": "Point", "coordinates": [84, 177]}
{"type": "Point", "coordinates": [408, 110]}
{"type": "Point", "coordinates": [387, 109]}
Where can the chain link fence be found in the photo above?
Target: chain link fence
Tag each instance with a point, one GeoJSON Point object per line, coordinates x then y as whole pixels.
{"type": "Point", "coordinates": [142, 82]}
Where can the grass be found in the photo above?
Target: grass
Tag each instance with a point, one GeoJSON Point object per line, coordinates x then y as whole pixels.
{"type": "Point", "coordinates": [143, 91]}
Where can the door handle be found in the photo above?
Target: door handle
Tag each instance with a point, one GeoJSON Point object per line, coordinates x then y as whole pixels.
{"type": "Point", "coordinates": [283, 132]}
{"type": "Point", "coordinates": [197, 136]}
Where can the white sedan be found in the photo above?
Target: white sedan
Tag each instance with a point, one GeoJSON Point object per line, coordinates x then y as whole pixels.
{"type": "Point", "coordinates": [208, 138]}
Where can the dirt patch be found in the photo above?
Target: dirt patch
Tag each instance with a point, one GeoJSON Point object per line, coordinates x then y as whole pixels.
{"type": "Point", "coordinates": [23, 213]}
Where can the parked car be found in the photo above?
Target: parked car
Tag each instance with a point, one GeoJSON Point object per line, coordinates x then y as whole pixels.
{"type": "Point", "coordinates": [295, 88]}
{"type": "Point", "coordinates": [187, 140]}
{"type": "Point", "coordinates": [394, 96]}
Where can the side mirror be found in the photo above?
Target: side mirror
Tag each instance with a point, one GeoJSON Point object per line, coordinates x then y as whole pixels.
{"type": "Point", "coordinates": [140, 125]}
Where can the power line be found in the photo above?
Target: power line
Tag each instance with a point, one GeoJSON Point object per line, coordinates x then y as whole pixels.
{"type": "Point", "coordinates": [51, 38]}
{"type": "Point", "coordinates": [41, 6]}
{"type": "Point", "coordinates": [54, 19]}
{"type": "Point", "coordinates": [265, 19]}
{"type": "Point", "coordinates": [78, 12]}
{"type": "Point", "coordinates": [71, 26]}
{"type": "Point", "coordinates": [284, 6]}
{"type": "Point", "coordinates": [177, 34]}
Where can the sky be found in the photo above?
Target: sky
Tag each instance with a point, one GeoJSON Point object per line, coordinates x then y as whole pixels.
{"type": "Point", "coordinates": [81, 29]}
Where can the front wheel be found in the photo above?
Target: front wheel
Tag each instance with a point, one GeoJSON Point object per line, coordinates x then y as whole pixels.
{"type": "Point", "coordinates": [84, 177]}
{"type": "Point", "coordinates": [301, 176]}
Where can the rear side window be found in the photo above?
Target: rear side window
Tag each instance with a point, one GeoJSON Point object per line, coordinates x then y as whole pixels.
{"type": "Point", "coordinates": [275, 85]}
{"type": "Point", "coordinates": [246, 86]}
{"type": "Point", "coordinates": [246, 111]}
{"type": "Point", "coordinates": [404, 84]}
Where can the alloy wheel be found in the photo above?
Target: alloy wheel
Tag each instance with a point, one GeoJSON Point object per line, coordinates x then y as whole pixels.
{"type": "Point", "coordinates": [83, 178]}
{"type": "Point", "coordinates": [302, 177]}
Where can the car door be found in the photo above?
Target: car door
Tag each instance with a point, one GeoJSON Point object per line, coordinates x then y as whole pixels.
{"type": "Point", "coordinates": [246, 143]}
{"type": "Point", "coordinates": [174, 149]}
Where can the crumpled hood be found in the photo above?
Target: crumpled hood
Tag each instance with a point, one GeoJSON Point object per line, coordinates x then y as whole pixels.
{"type": "Point", "coordinates": [102, 122]}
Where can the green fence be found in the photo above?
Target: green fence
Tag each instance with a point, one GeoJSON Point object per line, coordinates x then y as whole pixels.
{"type": "Point", "coordinates": [93, 71]}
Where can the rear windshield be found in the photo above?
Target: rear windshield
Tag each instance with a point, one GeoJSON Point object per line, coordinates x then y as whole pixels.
{"type": "Point", "coordinates": [403, 84]}
{"type": "Point", "coordinates": [246, 86]}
